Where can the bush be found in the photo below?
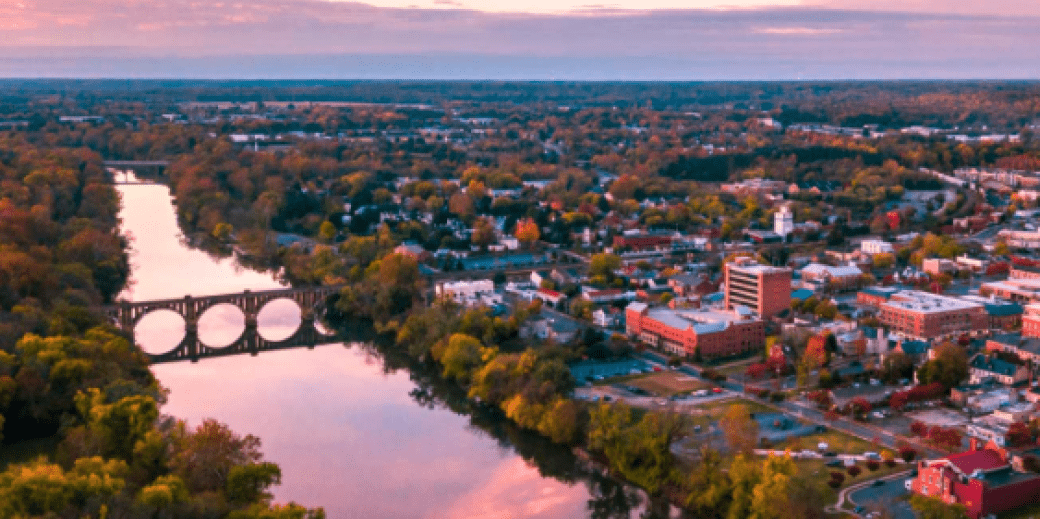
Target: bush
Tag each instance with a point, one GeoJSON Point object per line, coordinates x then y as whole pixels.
{"type": "Point", "coordinates": [918, 428]}
{"type": "Point", "coordinates": [838, 476]}
{"type": "Point", "coordinates": [854, 470]}
{"type": "Point", "coordinates": [834, 483]}
{"type": "Point", "coordinates": [890, 463]}
{"type": "Point", "coordinates": [907, 453]}
{"type": "Point", "coordinates": [873, 465]}
{"type": "Point", "coordinates": [778, 396]}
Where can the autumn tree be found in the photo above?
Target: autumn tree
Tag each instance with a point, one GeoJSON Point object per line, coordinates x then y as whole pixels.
{"type": "Point", "coordinates": [739, 429]}
{"type": "Point", "coordinates": [527, 231]}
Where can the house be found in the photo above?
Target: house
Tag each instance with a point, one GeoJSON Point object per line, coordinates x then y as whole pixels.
{"type": "Point", "coordinates": [608, 318]}
{"type": "Point", "coordinates": [606, 296]}
{"type": "Point", "coordinates": [412, 250]}
{"type": "Point", "coordinates": [540, 276]}
{"type": "Point", "coordinates": [1027, 348]}
{"type": "Point", "coordinates": [982, 367]}
{"type": "Point", "coordinates": [916, 350]}
{"type": "Point", "coordinates": [984, 480]}
{"type": "Point", "coordinates": [836, 278]}
{"type": "Point", "coordinates": [550, 296]}
{"type": "Point", "coordinates": [551, 326]}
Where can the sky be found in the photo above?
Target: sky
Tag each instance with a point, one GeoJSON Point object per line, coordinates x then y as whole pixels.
{"type": "Point", "coordinates": [522, 39]}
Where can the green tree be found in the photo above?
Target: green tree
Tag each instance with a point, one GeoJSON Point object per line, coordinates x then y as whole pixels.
{"type": "Point", "coordinates": [931, 508]}
{"type": "Point", "coordinates": [949, 367]}
{"type": "Point", "coordinates": [604, 264]}
{"type": "Point", "coordinates": [462, 356]}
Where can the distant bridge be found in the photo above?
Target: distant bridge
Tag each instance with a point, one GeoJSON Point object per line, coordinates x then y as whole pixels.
{"type": "Point", "coordinates": [127, 164]}
{"type": "Point", "coordinates": [127, 314]}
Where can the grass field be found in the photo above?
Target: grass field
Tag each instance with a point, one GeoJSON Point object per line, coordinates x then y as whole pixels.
{"type": "Point", "coordinates": [668, 383]}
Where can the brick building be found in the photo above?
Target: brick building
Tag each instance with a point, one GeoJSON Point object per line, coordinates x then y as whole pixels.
{"type": "Point", "coordinates": [1031, 321]}
{"type": "Point", "coordinates": [984, 480]}
{"type": "Point", "coordinates": [845, 277]}
{"type": "Point", "coordinates": [927, 316]}
{"type": "Point", "coordinates": [765, 290]}
{"type": "Point", "coordinates": [689, 332]}
{"type": "Point", "coordinates": [643, 241]}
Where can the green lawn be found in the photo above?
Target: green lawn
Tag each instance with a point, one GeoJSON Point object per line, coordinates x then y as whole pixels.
{"type": "Point", "coordinates": [715, 408]}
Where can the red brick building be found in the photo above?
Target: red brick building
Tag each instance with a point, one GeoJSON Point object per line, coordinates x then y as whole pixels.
{"type": "Point", "coordinates": [983, 480]}
{"type": "Point", "coordinates": [925, 316]}
{"type": "Point", "coordinates": [1031, 321]}
{"type": "Point", "coordinates": [687, 332]}
{"type": "Point", "coordinates": [765, 290]}
{"type": "Point", "coordinates": [643, 241]}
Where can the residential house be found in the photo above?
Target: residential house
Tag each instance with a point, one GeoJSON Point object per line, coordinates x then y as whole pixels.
{"type": "Point", "coordinates": [982, 367]}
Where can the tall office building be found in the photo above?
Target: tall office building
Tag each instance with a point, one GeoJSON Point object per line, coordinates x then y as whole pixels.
{"type": "Point", "coordinates": [765, 290]}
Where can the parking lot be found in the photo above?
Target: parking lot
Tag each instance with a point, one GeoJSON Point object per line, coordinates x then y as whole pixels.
{"type": "Point", "coordinates": [584, 371]}
{"type": "Point", "coordinates": [891, 496]}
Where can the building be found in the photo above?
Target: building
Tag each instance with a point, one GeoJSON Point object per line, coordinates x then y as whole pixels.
{"type": "Point", "coordinates": [690, 333]}
{"type": "Point", "coordinates": [987, 367]}
{"type": "Point", "coordinates": [469, 293]}
{"type": "Point", "coordinates": [557, 327]}
{"type": "Point", "coordinates": [837, 278]}
{"type": "Point", "coordinates": [984, 480]}
{"type": "Point", "coordinates": [765, 290]}
{"type": "Point", "coordinates": [926, 316]}
{"type": "Point", "coordinates": [643, 241]}
{"type": "Point", "coordinates": [937, 266]}
{"type": "Point", "coordinates": [1031, 321]}
{"type": "Point", "coordinates": [1021, 289]}
{"type": "Point", "coordinates": [873, 247]}
{"type": "Point", "coordinates": [783, 221]}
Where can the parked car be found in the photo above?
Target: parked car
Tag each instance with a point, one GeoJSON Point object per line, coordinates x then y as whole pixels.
{"type": "Point", "coordinates": [716, 390]}
{"type": "Point", "coordinates": [878, 483]}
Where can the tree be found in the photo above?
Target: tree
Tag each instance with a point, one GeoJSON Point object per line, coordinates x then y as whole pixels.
{"type": "Point", "coordinates": [327, 231]}
{"type": "Point", "coordinates": [604, 264]}
{"type": "Point", "coordinates": [931, 508]}
{"type": "Point", "coordinates": [527, 231]}
{"type": "Point", "coordinates": [739, 429]}
{"type": "Point", "coordinates": [1019, 435]}
{"type": "Point", "coordinates": [949, 367]}
{"type": "Point", "coordinates": [204, 458]}
{"type": "Point", "coordinates": [460, 204]}
{"type": "Point", "coordinates": [462, 356]}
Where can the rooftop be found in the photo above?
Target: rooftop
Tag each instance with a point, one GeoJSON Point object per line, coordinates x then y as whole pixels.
{"type": "Point", "coordinates": [925, 302]}
{"type": "Point", "coordinates": [970, 461]}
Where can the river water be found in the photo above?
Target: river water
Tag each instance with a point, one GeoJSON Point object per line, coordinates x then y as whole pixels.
{"type": "Point", "coordinates": [354, 430]}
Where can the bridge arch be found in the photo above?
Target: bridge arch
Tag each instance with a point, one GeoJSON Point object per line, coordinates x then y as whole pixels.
{"type": "Point", "coordinates": [309, 301]}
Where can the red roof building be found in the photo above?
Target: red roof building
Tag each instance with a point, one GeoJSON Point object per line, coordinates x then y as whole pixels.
{"type": "Point", "coordinates": [983, 480]}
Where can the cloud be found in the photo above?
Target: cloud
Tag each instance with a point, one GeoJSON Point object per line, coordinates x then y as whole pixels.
{"type": "Point", "coordinates": [340, 39]}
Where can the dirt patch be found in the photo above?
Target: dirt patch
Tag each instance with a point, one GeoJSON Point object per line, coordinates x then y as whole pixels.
{"type": "Point", "coordinates": [667, 383]}
{"type": "Point", "coordinates": [940, 417]}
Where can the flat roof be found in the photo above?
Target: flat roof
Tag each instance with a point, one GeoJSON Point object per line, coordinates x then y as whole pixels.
{"type": "Point", "coordinates": [925, 302]}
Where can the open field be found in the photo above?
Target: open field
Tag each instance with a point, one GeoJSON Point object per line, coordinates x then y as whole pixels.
{"type": "Point", "coordinates": [668, 383]}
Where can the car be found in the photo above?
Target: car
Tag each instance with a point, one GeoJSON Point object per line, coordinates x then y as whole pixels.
{"type": "Point", "coordinates": [658, 368]}
{"type": "Point", "coordinates": [830, 454]}
{"type": "Point", "coordinates": [834, 463]}
{"type": "Point", "coordinates": [878, 483]}
{"type": "Point", "coordinates": [871, 456]}
{"type": "Point", "coordinates": [607, 398]}
{"type": "Point", "coordinates": [859, 509]}
{"type": "Point", "coordinates": [716, 390]}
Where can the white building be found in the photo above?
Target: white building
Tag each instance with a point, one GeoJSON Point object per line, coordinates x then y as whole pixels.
{"type": "Point", "coordinates": [469, 293]}
{"type": "Point", "coordinates": [783, 222]}
{"type": "Point", "coordinates": [876, 247]}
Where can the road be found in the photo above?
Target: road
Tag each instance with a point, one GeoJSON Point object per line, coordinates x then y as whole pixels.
{"type": "Point", "coordinates": [808, 411]}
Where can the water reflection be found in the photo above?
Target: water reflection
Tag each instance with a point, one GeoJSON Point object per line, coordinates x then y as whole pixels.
{"type": "Point", "coordinates": [357, 429]}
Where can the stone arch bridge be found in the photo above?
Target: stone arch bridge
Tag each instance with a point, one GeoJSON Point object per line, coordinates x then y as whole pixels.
{"type": "Point", "coordinates": [311, 301]}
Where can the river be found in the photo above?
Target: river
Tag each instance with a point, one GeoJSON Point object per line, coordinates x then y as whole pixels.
{"type": "Point", "coordinates": [354, 430]}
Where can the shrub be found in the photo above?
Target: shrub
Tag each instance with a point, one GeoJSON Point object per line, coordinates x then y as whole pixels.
{"type": "Point", "coordinates": [834, 483]}
{"type": "Point", "coordinates": [854, 470]}
{"type": "Point", "coordinates": [918, 428]}
{"type": "Point", "coordinates": [778, 396]}
{"type": "Point", "coordinates": [907, 453]}
{"type": "Point", "coordinates": [873, 465]}
{"type": "Point", "coordinates": [890, 463]}
{"type": "Point", "coordinates": [838, 476]}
